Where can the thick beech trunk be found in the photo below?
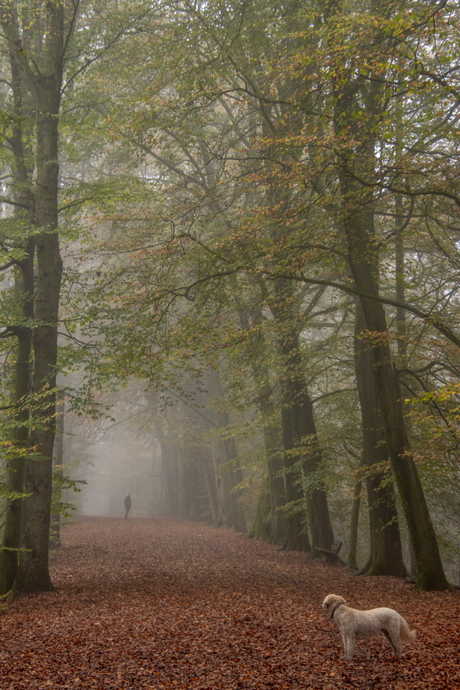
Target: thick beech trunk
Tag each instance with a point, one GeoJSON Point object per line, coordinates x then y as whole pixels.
{"type": "Point", "coordinates": [11, 540]}
{"type": "Point", "coordinates": [44, 79]}
{"type": "Point", "coordinates": [169, 464]}
{"type": "Point", "coordinates": [58, 459]}
{"type": "Point", "coordinates": [24, 286]}
{"type": "Point", "coordinates": [430, 572]}
{"type": "Point", "coordinates": [274, 456]}
{"type": "Point", "coordinates": [210, 482]}
{"type": "Point", "coordinates": [385, 556]}
{"type": "Point", "coordinates": [355, 122]}
{"type": "Point", "coordinates": [33, 574]}
{"type": "Point", "coordinates": [303, 462]}
{"type": "Point", "coordinates": [228, 470]}
{"type": "Point", "coordinates": [354, 522]}
{"type": "Point", "coordinates": [358, 226]}
{"type": "Point", "coordinates": [358, 104]}
{"type": "Point", "coordinates": [296, 507]}
{"type": "Point", "coordinates": [271, 427]}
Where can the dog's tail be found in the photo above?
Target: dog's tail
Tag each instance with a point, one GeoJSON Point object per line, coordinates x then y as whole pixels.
{"type": "Point", "coordinates": [407, 635]}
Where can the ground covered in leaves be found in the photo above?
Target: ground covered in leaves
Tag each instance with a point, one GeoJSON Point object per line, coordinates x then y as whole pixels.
{"type": "Point", "coordinates": [167, 604]}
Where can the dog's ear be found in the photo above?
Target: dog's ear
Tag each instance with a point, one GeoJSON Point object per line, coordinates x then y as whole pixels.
{"type": "Point", "coordinates": [331, 600]}
{"type": "Point", "coordinates": [327, 602]}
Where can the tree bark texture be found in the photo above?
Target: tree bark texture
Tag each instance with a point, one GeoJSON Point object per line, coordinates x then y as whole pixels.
{"type": "Point", "coordinates": [358, 225]}
{"type": "Point", "coordinates": [423, 538]}
{"type": "Point", "coordinates": [228, 465]}
{"type": "Point", "coordinates": [358, 104]}
{"type": "Point", "coordinates": [24, 287]}
{"type": "Point", "coordinates": [24, 284]}
{"type": "Point", "coordinates": [39, 60]}
{"type": "Point", "coordinates": [271, 422]}
{"type": "Point", "coordinates": [170, 463]}
{"type": "Point", "coordinates": [385, 556]}
{"type": "Point", "coordinates": [303, 461]}
{"type": "Point", "coordinates": [354, 521]}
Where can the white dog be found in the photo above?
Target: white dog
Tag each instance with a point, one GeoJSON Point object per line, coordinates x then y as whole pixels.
{"type": "Point", "coordinates": [355, 625]}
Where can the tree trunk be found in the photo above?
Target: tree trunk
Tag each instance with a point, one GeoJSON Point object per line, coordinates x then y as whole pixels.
{"type": "Point", "coordinates": [24, 286]}
{"type": "Point", "coordinates": [358, 227]}
{"type": "Point", "coordinates": [423, 538]}
{"type": "Point", "coordinates": [304, 481]}
{"type": "Point", "coordinates": [33, 573]}
{"type": "Point", "coordinates": [169, 462]}
{"type": "Point", "coordinates": [261, 528]}
{"type": "Point", "coordinates": [358, 104]}
{"type": "Point", "coordinates": [271, 429]}
{"type": "Point", "coordinates": [210, 482]}
{"type": "Point", "coordinates": [276, 481]}
{"type": "Point", "coordinates": [296, 512]}
{"type": "Point", "coordinates": [313, 481]}
{"type": "Point", "coordinates": [386, 556]}
{"type": "Point", "coordinates": [58, 452]}
{"type": "Point", "coordinates": [236, 493]}
{"type": "Point", "coordinates": [38, 54]}
{"type": "Point", "coordinates": [430, 571]}
{"type": "Point", "coordinates": [16, 466]}
{"type": "Point", "coordinates": [354, 521]}
{"type": "Point", "coordinates": [228, 468]}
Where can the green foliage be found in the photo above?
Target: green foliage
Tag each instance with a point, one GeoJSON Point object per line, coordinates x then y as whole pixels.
{"type": "Point", "coordinates": [62, 482]}
{"type": "Point", "coordinates": [201, 166]}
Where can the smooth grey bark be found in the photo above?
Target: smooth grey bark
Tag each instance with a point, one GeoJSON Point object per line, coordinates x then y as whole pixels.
{"type": "Point", "coordinates": [303, 461]}
{"type": "Point", "coordinates": [430, 571]}
{"type": "Point", "coordinates": [228, 469]}
{"type": "Point", "coordinates": [201, 451]}
{"type": "Point", "coordinates": [11, 540]}
{"type": "Point", "coordinates": [251, 319]}
{"type": "Point", "coordinates": [197, 484]}
{"type": "Point", "coordinates": [354, 522]}
{"type": "Point", "coordinates": [357, 162]}
{"type": "Point", "coordinates": [385, 557]}
{"type": "Point", "coordinates": [43, 76]}
{"type": "Point", "coordinates": [58, 461]}
{"type": "Point", "coordinates": [24, 289]}
{"type": "Point", "coordinates": [170, 469]}
{"type": "Point", "coordinates": [206, 464]}
{"type": "Point", "coordinates": [274, 456]}
{"type": "Point", "coordinates": [261, 526]}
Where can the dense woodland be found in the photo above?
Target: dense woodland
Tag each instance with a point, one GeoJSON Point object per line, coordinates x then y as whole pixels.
{"type": "Point", "coordinates": [240, 216]}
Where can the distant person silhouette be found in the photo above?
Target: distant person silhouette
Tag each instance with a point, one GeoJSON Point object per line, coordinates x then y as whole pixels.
{"type": "Point", "coordinates": [127, 505]}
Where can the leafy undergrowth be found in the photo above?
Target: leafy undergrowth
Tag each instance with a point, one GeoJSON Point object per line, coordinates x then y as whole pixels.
{"type": "Point", "coordinates": [165, 604]}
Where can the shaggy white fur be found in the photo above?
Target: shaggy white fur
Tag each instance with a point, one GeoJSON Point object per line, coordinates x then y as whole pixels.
{"type": "Point", "coordinates": [355, 625]}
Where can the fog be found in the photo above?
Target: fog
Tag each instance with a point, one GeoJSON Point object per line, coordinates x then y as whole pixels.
{"type": "Point", "coordinates": [114, 458]}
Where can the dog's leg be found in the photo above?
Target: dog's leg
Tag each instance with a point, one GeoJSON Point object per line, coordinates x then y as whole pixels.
{"type": "Point", "coordinates": [393, 638]}
{"type": "Point", "coordinates": [348, 646]}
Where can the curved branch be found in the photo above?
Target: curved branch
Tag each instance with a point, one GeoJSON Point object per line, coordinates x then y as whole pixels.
{"type": "Point", "coordinates": [432, 319]}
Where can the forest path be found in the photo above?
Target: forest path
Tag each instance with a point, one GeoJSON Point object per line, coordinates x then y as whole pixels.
{"type": "Point", "coordinates": [163, 604]}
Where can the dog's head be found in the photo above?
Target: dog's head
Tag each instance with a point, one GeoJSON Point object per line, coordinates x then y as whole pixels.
{"type": "Point", "coordinates": [332, 600]}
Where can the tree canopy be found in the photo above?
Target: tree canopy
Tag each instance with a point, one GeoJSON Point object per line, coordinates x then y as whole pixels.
{"type": "Point", "coordinates": [256, 209]}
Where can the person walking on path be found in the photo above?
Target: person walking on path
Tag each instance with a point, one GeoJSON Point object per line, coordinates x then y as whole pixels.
{"type": "Point", "coordinates": [127, 505]}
